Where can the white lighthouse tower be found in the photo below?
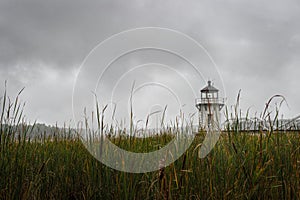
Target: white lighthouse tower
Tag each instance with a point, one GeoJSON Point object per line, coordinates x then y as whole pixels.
{"type": "Point", "coordinates": [210, 106]}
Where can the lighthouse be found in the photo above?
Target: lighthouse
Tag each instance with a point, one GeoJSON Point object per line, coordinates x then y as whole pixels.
{"type": "Point", "coordinates": [209, 106]}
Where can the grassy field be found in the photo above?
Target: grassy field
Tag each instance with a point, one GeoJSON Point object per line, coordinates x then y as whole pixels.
{"type": "Point", "coordinates": [264, 165]}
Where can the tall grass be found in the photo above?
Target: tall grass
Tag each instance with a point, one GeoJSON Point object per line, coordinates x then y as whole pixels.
{"type": "Point", "coordinates": [241, 166]}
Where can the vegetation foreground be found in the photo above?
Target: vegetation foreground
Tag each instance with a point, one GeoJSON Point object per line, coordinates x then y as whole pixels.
{"type": "Point", "coordinates": [264, 165]}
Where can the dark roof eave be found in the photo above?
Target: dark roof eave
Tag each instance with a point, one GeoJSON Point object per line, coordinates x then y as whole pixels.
{"type": "Point", "coordinates": [211, 89]}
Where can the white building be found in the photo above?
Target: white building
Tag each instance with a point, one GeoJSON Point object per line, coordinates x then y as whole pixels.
{"type": "Point", "coordinates": [210, 106]}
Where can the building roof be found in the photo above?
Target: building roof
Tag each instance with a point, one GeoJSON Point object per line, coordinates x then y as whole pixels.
{"type": "Point", "coordinates": [209, 88]}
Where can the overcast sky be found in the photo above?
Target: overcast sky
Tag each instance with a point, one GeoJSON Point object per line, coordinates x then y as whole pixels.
{"type": "Point", "coordinates": [255, 44]}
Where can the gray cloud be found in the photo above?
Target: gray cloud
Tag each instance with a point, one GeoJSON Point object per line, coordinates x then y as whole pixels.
{"type": "Point", "coordinates": [256, 45]}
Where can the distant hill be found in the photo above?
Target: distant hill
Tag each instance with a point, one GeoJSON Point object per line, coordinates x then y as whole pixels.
{"type": "Point", "coordinates": [38, 130]}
